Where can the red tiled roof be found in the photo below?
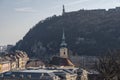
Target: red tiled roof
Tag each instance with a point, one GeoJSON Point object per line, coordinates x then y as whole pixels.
{"type": "Point", "coordinates": [61, 61]}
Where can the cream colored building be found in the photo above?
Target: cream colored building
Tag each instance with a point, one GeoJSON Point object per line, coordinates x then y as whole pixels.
{"type": "Point", "coordinates": [22, 59]}
{"type": "Point", "coordinates": [4, 66]}
{"type": "Point", "coordinates": [12, 59]}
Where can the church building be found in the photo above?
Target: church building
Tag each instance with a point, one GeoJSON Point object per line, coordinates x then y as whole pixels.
{"type": "Point", "coordinates": [63, 58]}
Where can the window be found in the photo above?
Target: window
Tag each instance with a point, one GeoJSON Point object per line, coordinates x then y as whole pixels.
{"type": "Point", "coordinates": [64, 53]}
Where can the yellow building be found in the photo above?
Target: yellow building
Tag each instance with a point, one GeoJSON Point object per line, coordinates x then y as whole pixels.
{"type": "Point", "coordinates": [4, 66]}
{"type": "Point", "coordinates": [12, 59]}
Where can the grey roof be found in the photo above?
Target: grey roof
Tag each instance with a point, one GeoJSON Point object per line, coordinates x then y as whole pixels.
{"type": "Point", "coordinates": [35, 74]}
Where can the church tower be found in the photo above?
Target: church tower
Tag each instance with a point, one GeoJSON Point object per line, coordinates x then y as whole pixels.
{"type": "Point", "coordinates": [63, 10]}
{"type": "Point", "coordinates": [63, 49]}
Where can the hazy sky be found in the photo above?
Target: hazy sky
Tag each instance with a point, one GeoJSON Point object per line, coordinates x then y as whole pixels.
{"type": "Point", "coordinates": [18, 16]}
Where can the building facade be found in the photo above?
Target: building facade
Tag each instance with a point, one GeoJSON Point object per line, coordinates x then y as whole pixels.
{"type": "Point", "coordinates": [4, 66]}
{"type": "Point", "coordinates": [29, 75]}
{"type": "Point", "coordinates": [13, 61]}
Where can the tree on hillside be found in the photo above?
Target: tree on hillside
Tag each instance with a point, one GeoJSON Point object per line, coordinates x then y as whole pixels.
{"type": "Point", "coordinates": [109, 66]}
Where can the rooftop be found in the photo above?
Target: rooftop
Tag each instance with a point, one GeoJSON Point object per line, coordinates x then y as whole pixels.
{"type": "Point", "coordinates": [37, 71]}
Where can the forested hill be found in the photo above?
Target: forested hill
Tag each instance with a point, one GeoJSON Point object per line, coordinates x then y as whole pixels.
{"type": "Point", "coordinates": [88, 32]}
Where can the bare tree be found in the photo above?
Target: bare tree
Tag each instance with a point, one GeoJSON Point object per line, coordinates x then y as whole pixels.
{"type": "Point", "coordinates": [117, 60]}
{"type": "Point", "coordinates": [109, 65]}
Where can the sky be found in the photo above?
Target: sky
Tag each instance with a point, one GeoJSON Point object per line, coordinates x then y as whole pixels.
{"type": "Point", "coordinates": [18, 16]}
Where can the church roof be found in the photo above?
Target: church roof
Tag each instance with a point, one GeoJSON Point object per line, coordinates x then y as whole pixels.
{"type": "Point", "coordinates": [59, 61]}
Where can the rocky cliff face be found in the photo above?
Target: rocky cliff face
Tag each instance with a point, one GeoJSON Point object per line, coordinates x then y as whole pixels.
{"type": "Point", "coordinates": [88, 32]}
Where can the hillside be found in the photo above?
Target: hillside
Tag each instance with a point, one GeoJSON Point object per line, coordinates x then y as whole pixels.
{"type": "Point", "coordinates": [88, 32]}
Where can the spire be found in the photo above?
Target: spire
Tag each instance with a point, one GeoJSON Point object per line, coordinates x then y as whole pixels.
{"type": "Point", "coordinates": [63, 49]}
{"type": "Point", "coordinates": [63, 36]}
{"type": "Point", "coordinates": [63, 44]}
{"type": "Point", "coordinates": [63, 10]}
